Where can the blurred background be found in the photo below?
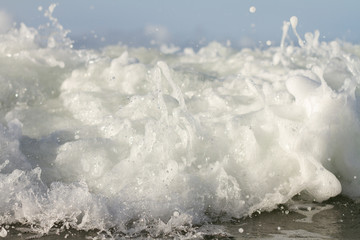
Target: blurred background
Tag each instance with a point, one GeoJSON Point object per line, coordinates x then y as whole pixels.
{"type": "Point", "coordinates": [194, 23]}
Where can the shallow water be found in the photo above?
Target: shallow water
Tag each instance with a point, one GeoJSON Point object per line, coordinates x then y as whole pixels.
{"type": "Point", "coordinates": [337, 218]}
{"type": "Point", "coordinates": [334, 219]}
{"type": "Point", "coordinates": [162, 142]}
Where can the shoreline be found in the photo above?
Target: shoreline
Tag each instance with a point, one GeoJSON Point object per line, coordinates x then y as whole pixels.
{"type": "Point", "coordinates": [337, 218]}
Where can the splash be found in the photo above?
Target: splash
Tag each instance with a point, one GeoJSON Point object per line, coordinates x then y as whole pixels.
{"type": "Point", "coordinates": [131, 141]}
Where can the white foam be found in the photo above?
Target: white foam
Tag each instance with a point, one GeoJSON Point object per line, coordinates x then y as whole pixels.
{"type": "Point", "coordinates": [134, 140]}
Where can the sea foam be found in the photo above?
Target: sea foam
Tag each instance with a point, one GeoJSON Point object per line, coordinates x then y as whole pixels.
{"type": "Point", "coordinates": [131, 140]}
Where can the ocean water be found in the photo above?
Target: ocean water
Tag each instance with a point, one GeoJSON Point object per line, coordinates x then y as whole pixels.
{"type": "Point", "coordinates": [175, 143]}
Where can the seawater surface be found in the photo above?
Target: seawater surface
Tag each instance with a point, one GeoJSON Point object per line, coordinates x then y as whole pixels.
{"type": "Point", "coordinates": [137, 142]}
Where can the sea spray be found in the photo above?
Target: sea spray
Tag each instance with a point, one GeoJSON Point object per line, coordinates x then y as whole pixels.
{"type": "Point", "coordinates": [131, 140]}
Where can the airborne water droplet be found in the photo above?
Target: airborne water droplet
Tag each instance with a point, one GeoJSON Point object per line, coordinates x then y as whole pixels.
{"type": "Point", "coordinates": [252, 9]}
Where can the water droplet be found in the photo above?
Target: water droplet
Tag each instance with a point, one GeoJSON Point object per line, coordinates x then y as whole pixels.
{"type": "Point", "coordinates": [3, 232]}
{"type": "Point", "coordinates": [294, 21]}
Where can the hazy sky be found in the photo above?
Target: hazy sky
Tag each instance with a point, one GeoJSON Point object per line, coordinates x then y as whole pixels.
{"type": "Point", "coordinates": [190, 21]}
